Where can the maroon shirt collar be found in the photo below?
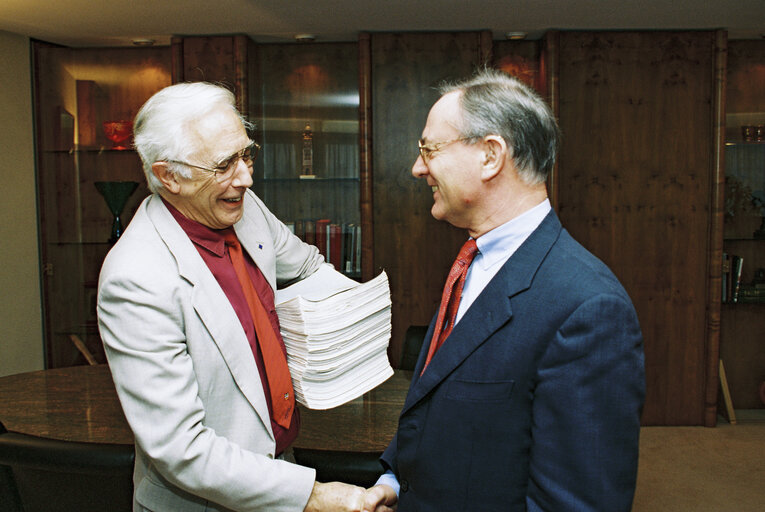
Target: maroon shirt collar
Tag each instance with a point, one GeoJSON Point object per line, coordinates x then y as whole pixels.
{"type": "Point", "coordinates": [210, 239]}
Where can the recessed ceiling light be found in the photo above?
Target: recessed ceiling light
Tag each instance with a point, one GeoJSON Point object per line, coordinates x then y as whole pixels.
{"type": "Point", "coordinates": [515, 36]}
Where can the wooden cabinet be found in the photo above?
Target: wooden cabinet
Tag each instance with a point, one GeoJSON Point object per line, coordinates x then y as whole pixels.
{"type": "Point", "coordinates": [413, 248]}
{"type": "Point", "coordinates": [639, 181]}
{"type": "Point", "coordinates": [742, 342]}
{"type": "Point", "coordinates": [637, 177]}
{"type": "Point", "coordinates": [308, 125]}
{"type": "Point", "coordinates": [76, 91]}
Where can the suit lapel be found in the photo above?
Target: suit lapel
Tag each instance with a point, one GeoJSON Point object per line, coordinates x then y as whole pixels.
{"type": "Point", "coordinates": [490, 311]}
{"type": "Point", "coordinates": [213, 308]}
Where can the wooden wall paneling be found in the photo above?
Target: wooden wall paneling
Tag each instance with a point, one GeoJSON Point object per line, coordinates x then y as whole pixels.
{"type": "Point", "coordinates": [717, 204]}
{"type": "Point", "coordinates": [366, 145]}
{"type": "Point", "coordinates": [636, 112]}
{"type": "Point", "coordinates": [520, 59]}
{"type": "Point", "coordinates": [414, 249]}
{"type": "Point", "coordinates": [217, 59]}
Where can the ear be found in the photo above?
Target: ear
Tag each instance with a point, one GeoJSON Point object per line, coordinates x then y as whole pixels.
{"type": "Point", "coordinates": [494, 157]}
{"type": "Point", "coordinates": [166, 176]}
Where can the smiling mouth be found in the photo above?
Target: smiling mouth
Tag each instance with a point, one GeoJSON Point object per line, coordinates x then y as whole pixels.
{"type": "Point", "coordinates": [233, 200]}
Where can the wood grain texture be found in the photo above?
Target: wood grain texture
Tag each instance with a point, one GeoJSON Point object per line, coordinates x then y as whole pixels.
{"type": "Point", "coordinates": [635, 181]}
{"type": "Point", "coordinates": [714, 256]}
{"type": "Point", "coordinates": [366, 143]}
{"type": "Point", "coordinates": [366, 424]}
{"type": "Point", "coordinates": [80, 404]}
{"type": "Point", "coordinates": [414, 249]}
{"type": "Point", "coordinates": [69, 404]}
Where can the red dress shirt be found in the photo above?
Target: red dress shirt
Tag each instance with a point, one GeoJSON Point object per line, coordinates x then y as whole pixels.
{"type": "Point", "coordinates": [211, 246]}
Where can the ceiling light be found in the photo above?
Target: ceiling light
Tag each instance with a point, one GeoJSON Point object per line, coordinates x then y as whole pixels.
{"type": "Point", "coordinates": [515, 36]}
{"type": "Point", "coordinates": [143, 42]}
{"type": "Point", "coordinates": [305, 38]}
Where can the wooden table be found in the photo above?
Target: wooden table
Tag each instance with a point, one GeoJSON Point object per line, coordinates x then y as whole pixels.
{"type": "Point", "coordinates": [77, 403]}
{"type": "Point", "coordinates": [366, 424]}
{"type": "Point", "coordinates": [80, 404]}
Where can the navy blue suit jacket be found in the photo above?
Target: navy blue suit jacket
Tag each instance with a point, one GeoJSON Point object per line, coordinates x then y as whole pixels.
{"type": "Point", "coordinates": [534, 400]}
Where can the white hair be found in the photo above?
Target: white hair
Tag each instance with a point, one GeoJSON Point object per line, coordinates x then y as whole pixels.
{"type": "Point", "coordinates": [162, 125]}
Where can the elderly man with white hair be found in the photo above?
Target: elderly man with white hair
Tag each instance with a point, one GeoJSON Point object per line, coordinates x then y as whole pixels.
{"type": "Point", "coordinates": [186, 313]}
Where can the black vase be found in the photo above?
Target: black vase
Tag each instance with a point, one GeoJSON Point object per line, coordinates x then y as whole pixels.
{"type": "Point", "coordinates": [116, 194]}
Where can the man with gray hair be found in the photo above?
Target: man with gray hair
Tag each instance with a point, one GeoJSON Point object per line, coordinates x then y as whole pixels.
{"type": "Point", "coordinates": [528, 390]}
{"type": "Point", "coordinates": [186, 313]}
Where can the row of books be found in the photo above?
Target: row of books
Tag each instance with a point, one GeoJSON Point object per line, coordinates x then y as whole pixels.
{"type": "Point", "coordinates": [731, 277]}
{"type": "Point", "coordinates": [339, 243]}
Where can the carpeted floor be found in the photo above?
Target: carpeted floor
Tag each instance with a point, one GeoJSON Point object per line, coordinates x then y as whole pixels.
{"type": "Point", "coordinates": [698, 469]}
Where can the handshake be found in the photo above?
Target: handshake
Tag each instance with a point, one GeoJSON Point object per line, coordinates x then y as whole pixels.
{"type": "Point", "coordinates": [340, 497]}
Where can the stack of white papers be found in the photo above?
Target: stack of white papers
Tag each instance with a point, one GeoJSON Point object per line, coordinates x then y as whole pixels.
{"type": "Point", "coordinates": [336, 331]}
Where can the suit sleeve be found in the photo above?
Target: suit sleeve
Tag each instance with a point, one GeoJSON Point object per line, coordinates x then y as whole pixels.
{"type": "Point", "coordinates": [294, 259]}
{"type": "Point", "coordinates": [586, 411]}
{"type": "Point", "coordinates": [141, 321]}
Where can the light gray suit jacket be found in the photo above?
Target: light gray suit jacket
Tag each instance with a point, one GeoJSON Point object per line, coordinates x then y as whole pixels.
{"type": "Point", "coordinates": [184, 371]}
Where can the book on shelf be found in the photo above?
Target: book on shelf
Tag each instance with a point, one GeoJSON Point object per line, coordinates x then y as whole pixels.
{"type": "Point", "coordinates": [336, 332]}
{"type": "Point", "coordinates": [339, 243]}
{"type": "Point", "coordinates": [732, 266]}
{"type": "Point", "coordinates": [736, 267]}
{"type": "Point", "coordinates": [321, 238]}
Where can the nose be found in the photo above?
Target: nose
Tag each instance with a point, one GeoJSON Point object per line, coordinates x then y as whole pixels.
{"type": "Point", "coordinates": [419, 168]}
{"type": "Point", "coordinates": [242, 175]}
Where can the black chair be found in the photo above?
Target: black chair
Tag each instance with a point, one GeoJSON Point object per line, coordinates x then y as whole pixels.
{"type": "Point", "coordinates": [413, 339]}
{"type": "Point", "coordinates": [361, 469]}
{"type": "Point", "coordinates": [38, 474]}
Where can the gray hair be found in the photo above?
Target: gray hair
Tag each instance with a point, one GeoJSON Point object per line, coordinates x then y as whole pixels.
{"type": "Point", "coordinates": [494, 103]}
{"type": "Point", "coordinates": [162, 125]}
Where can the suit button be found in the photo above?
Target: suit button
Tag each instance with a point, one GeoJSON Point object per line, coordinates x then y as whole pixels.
{"type": "Point", "coordinates": [404, 486]}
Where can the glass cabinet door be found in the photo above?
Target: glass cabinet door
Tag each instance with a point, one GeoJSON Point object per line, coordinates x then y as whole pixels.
{"type": "Point", "coordinates": [308, 125]}
{"type": "Point", "coordinates": [89, 180]}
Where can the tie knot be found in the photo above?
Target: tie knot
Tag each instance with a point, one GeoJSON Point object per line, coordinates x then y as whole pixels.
{"type": "Point", "coordinates": [468, 252]}
{"type": "Point", "coordinates": [230, 238]}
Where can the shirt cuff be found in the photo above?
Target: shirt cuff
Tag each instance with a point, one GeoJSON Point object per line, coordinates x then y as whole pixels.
{"type": "Point", "coordinates": [389, 479]}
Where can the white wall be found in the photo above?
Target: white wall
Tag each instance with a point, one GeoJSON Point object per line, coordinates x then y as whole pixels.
{"type": "Point", "coordinates": [21, 338]}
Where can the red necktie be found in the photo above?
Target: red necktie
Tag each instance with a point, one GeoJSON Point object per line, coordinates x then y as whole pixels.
{"type": "Point", "coordinates": [277, 371]}
{"type": "Point", "coordinates": [450, 299]}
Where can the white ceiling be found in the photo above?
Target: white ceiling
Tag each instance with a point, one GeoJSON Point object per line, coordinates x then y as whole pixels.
{"type": "Point", "coordinates": [116, 23]}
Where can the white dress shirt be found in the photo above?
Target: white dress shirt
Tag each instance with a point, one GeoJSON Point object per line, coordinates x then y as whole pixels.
{"type": "Point", "coordinates": [495, 248]}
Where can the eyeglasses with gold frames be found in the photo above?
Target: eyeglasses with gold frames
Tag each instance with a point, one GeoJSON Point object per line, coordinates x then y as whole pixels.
{"type": "Point", "coordinates": [427, 150]}
{"type": "Point", "coordinates": [225, 170]}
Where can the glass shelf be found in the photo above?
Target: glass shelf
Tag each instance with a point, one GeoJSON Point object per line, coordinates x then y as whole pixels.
{"type": "Point", "coordinates": [97, 150]}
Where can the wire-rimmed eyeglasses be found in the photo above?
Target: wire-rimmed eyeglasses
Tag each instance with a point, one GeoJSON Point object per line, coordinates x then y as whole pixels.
{"type": "Point", "coordinates": [225, 170]}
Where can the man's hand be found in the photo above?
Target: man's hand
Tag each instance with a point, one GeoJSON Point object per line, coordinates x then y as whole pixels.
{"type": "Point", "coordinates": [380, 498]}
{"type": "Point", "coordinates": [335, 496]}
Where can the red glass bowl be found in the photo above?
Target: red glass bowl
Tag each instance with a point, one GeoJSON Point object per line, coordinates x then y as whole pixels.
{"type": "Point", "coordinates": [119, 132]}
